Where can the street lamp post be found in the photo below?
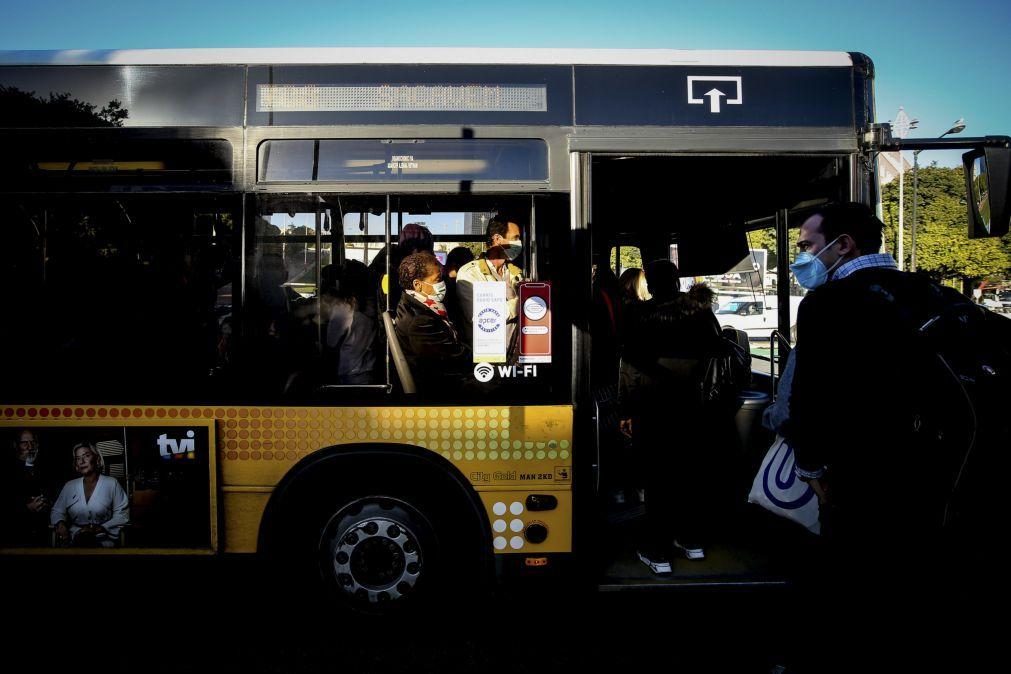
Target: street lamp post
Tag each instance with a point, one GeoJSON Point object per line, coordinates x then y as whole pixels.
{"type": "Point", "coordinates": [902, 126]}
{"type": "Point", "coordinates": [957, 127]}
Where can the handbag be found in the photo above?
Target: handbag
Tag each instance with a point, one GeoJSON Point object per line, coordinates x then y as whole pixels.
{"type": "Point", "coordinates": [778, 489]}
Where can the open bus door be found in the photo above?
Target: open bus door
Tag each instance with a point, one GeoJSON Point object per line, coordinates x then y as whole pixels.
{"type": "Point", "coordinates": [697, 209]}
{"type": "Point", "coordinates": [700, 207]}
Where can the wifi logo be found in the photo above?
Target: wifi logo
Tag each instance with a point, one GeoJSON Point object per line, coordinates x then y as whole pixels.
{"type": "Point", "coordinates": [484, 372]}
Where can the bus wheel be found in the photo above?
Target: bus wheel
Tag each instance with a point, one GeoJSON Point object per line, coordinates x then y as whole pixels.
{"type": "Point", "coordinates": [377, 551]}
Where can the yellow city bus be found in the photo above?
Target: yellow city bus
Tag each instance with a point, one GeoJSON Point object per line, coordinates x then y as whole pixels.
{"type": "Point", "coordinates": [172, 217]}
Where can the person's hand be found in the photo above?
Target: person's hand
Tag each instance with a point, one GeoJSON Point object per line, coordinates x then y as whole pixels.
{"type": "Point", "coordinates": [62, 534]}
{"type": "Point", "coordinates": [89, 535]}
{"type": "Point", "coordinates": [38, 504]}
{"type": "Point", "coordinates": [625, 425]}
{"type": "Point", "coordinates": [821, 489]}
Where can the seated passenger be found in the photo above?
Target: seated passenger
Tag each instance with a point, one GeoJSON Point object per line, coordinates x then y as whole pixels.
{"type": "Point", "coordinates": [351, 334]}
{"type": "Point", "coordinates": [431, 344]}
{"type": "Point", "coordinates": [414, 237]}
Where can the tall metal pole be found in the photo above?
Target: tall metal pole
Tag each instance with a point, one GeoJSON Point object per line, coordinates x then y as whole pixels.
{"type": "Point", "coordinates": [902, 126]}
{"type": "Point", "coordinates": [916, 184]}
{"type": "Point", "coordinates": [783, 281]}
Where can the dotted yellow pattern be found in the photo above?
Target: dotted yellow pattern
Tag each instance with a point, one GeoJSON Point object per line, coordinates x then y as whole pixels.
{"type": "Point", "coordinates": [492, 446]}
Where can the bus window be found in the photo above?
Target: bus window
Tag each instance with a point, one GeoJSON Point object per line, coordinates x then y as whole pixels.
{"type": "Point", "coordinates": [311, 312]}
{"type": "Point", "coordinates": [457, 227]}
{"type": "Point", "coordinates": [625, 257]}
{"type": "Point", "coordinates": [123, 293]}
{"type": "Point", "coordinates": [746, 296]}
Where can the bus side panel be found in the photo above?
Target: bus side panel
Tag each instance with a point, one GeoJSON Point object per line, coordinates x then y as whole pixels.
{"type": "Point", "coordinates": [506, 453]}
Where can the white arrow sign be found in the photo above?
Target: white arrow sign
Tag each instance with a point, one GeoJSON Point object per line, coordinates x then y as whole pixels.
{"type": "Point", "coordinates": [714, 99]}
{"type": "Point", "coordinates": [714, 94]}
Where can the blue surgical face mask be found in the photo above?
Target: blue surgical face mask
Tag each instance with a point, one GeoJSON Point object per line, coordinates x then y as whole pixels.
{"type": "Point", "coordinates": [438, 291]}
{"type": "Point", "coordinates": [810, 271]}
{"type": "Point", "coordinates": [513, 249]}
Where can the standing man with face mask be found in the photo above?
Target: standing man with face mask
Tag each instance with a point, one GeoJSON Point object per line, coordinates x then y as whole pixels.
{"type": "Point", "coordinates": [498, 263]}
{"type": "Point", "coordinates": [833, 244]}
{"type": "Point", "coordinates": [862, 377]}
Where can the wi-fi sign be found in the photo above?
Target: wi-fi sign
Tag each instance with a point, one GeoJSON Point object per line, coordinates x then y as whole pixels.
{"type": "Point", "coordinates": [484, 372]}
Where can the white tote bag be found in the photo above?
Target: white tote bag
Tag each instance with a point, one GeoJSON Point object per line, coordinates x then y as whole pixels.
{"type": "Point", "coordinates": [777, 489]}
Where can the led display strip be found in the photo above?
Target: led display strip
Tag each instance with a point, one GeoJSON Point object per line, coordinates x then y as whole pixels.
{"type": "Point", "coordinates": [401, 97]}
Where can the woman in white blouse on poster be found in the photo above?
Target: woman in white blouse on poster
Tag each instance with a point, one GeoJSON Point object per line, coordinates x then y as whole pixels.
{"type": "Point", "coordinates": [92, 509]}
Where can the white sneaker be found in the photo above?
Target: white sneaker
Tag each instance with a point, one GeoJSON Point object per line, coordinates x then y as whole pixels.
{"type": "Point", "coordinates": [690, 550]}
{"type": "Point", "coordinates": [656, 563]}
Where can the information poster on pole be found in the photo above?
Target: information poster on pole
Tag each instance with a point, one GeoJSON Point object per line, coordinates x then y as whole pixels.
{"type": "Point", "coordinates": [535, 322]}
{"type": "Point", "coordinates": [489, 320]}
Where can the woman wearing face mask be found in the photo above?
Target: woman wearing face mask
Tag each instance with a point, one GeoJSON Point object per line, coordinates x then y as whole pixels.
{"type": "Point", "coordinates": [431, 343]}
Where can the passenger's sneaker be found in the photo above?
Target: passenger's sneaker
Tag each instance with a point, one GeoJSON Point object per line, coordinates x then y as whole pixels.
{"type": "Point", "coordinates": [690, 550]}
{"type": "Point", "coordinates": [656, 563]}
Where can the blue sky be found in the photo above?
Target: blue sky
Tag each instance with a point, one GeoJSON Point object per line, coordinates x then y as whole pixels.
{"type": "Point", "coordinates": [941, 60]}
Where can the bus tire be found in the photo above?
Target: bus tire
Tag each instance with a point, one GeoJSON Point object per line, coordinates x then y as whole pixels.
{"type": "Point", "coordinates": [378, 550]}
{"type": "Point", "coordinates": [378, 535]}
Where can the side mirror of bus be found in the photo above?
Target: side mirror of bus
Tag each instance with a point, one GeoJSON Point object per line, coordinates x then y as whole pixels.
{"type": "Point", "coordinates": [987, 172]}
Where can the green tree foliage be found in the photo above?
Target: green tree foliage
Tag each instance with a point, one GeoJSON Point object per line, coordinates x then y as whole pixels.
{"type": "Point", "coordinates": [943, 248]}
{"type": "Point", "coordinates": [764, 238]}
{"type": "Point", "coordinates": [630, 257]}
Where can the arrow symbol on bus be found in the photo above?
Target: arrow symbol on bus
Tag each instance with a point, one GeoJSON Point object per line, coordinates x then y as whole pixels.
{"type": "Point", "coordinates": [714, 99]}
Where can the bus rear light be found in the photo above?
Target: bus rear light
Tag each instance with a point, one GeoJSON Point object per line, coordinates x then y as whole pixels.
{"type": "Point", "coordinates": [535, 562]}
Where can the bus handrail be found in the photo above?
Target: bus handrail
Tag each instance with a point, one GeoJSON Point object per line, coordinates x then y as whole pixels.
{"type": "Point", "coordinates": [776, 337]}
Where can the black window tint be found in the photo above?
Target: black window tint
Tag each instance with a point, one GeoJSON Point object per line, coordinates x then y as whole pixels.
{"type": "Point", "coordinates": [117, 299]}
{"type": "Point", "coordinates": [56, 160]}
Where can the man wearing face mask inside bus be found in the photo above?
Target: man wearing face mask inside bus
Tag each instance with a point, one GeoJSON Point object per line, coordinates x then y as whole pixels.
{"type": "Point", "coordinates": [503, 236]}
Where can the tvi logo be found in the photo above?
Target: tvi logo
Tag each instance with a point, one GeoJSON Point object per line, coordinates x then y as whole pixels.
{"type": "Point", "coordinates": [170, 448]}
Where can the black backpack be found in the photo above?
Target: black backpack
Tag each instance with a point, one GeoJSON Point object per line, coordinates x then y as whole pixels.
{"type": "Point", "coordinates": [961, 422]}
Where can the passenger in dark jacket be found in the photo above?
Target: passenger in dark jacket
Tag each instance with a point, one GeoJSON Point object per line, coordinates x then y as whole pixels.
{"type": "Point", "coordinates": [438, 359]}
{"type": "Point", "coordinates": [668, 344]}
